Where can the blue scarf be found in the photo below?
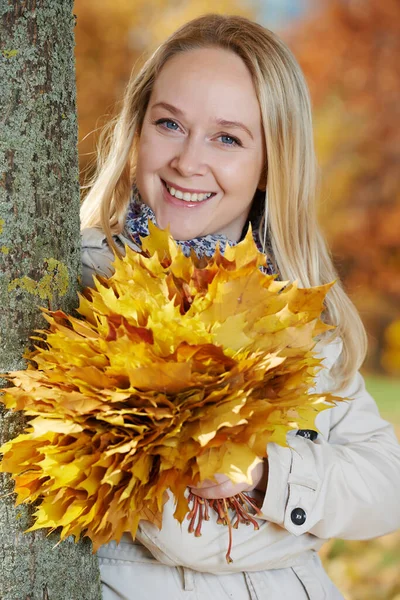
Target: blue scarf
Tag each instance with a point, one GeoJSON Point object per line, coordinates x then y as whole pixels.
{"type": "Point", "coordinates": [136, 226]}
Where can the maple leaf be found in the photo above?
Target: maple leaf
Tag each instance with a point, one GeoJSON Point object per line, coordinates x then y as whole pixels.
{"type": "Point", "coordinates": [179, 368]}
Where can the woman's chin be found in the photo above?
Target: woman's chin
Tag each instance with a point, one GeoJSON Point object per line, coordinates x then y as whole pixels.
{"type": "Point", "coordinates": [182, 236]}
{"type": "Point", "coordinates": [179, 230]}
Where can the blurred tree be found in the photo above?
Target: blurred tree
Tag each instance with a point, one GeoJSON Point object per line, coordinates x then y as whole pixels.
{"type": "Point", "coordinates": [391, 351]}
{"type": "Point", "coordinates": [349, 52]}
{"type": "Point", "coordinates": [117, 37]}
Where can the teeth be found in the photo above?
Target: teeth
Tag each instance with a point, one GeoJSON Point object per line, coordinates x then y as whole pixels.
{"type": "Point", "coordinates": [187, 196]}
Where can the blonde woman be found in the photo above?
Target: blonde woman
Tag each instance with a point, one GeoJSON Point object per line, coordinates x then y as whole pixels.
{"type": "Point", "coordinates": [216, 132]}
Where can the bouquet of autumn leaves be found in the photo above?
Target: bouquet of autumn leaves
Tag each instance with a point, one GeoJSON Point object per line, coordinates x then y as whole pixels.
{"type": "Point", "coordinates": [179, 368]}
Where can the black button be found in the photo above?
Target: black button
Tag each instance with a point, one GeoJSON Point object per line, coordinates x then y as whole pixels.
{"type": "Point", "coordinates": [309, 434]}
{"type": "Point", "coordinates": [298, 516]}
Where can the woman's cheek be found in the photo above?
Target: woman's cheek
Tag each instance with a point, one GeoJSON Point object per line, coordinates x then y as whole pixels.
{"type": "Point", "coordinates": [241, 176]}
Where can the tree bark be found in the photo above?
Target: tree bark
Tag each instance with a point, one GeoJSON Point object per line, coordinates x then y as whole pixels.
{"type": "Point", "coordinates": [39, 259]}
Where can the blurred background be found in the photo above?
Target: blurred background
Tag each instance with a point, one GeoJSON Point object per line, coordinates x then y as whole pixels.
{"type": "Point", "coordinates": [349, 51]}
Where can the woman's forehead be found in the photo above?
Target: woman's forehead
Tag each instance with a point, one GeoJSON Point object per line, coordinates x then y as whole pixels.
{"type": "Point", "coordinates": [212, 81]}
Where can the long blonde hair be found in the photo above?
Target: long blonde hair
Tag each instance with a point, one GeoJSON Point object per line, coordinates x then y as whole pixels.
{"type": "Point", "coordinates": [290, 215]}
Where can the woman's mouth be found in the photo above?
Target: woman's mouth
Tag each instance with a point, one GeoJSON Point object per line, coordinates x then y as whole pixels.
{"type": "Point", "coordinates": [179, 197]}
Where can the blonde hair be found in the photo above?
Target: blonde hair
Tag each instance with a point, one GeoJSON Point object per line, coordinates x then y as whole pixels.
{"type": "Point", "coordinates": [290, 215]}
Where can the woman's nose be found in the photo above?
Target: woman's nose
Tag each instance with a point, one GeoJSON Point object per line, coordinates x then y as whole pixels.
{"type": "Point", "coordinates": [190, 158]}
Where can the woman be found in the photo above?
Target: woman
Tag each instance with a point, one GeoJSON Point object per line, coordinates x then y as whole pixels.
{"type": "Point", "coordinates": [216, 132]}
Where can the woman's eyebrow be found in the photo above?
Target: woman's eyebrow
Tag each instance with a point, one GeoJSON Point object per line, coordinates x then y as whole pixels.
{"type": "Point", "coordinates": [234, 125]}
{"type": "Point", "coordinates": [173, 109]}
{"type": "Point", "coordinates": [223, 122]}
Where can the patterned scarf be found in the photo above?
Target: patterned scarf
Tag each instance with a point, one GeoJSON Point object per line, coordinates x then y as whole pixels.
{"type": "Point", "coordinates": [136, 225]}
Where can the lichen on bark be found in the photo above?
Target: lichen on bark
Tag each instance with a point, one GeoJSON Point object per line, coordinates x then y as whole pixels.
{"type": "Point", "coordinates": [39, 258]}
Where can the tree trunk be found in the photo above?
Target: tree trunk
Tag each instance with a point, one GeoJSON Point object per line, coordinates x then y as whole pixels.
{"type": "Point", "coordinates": [39, 258]}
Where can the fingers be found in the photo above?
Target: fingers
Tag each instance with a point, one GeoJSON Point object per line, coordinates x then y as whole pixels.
{"type": "Point", "coordinates": [207, 483]}
{"type": "Point", "coordinates": [221, 490]}
{"type": "Point", "coordinates": [223, 487]}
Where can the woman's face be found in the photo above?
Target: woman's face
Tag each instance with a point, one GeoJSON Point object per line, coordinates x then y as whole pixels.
{"type": "Point", "coordinates": [201, 149]}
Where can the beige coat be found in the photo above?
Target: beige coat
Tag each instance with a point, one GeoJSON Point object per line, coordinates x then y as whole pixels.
{"type": "Point", "coordinates": [344, 484]}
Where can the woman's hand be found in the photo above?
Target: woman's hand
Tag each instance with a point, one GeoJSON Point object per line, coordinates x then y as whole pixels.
{"type": "Point", "coordinates": [224, 488]}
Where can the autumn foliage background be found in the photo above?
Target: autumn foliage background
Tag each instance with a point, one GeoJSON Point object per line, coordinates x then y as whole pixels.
{"type": "Point", "coordinates": [349, 52]}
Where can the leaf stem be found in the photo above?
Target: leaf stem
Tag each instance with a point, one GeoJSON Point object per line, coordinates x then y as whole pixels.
{"type": "Point", "coordinates": [240, 505]}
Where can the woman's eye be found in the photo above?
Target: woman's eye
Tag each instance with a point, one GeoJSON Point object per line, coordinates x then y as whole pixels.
{"type": "Point", "coordinates": [228, 140]}
{"type": "Point", "coordinates": [168, 124]}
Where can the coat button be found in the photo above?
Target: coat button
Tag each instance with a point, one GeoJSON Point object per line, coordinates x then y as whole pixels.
{"type": "Point", "coordinates": [309, 434]}
{"type": "Point", "coordinates": [298, 516]}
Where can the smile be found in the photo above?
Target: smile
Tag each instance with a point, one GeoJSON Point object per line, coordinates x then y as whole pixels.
{"type": "Point", "coordinates": [187, 196]}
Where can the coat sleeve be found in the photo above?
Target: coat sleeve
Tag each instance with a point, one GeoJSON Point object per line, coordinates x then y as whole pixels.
{"type": "Point", "coordinates": [345, 484]}
{"type": "Point", "coordinates": [96, 255]}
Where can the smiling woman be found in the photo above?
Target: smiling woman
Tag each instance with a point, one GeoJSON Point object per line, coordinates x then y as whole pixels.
{"type": "Point", "coordinates": [215, 134]}
{"type": "Point", "coordinates": [192, 125]}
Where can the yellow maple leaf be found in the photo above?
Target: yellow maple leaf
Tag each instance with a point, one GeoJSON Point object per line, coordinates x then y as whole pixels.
{"type": "Point", "coordinates": [179, 368]}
